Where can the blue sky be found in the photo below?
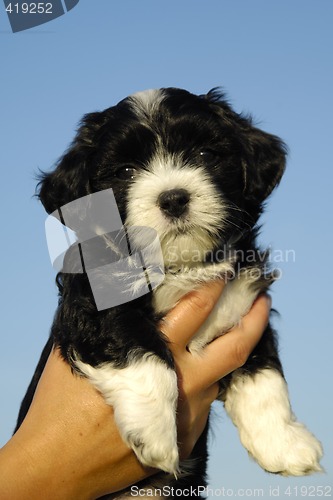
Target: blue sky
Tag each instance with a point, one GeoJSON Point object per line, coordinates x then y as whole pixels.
{"type": "Point", "coordinates": [274, 59]}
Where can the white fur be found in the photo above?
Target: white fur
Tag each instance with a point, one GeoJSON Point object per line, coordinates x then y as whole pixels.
{"type": "Point", "coordinates": [235, 301]}
{"type": "Point", "coordinates": [197, 231]}
{"type": "Point", "coordinates": [146, 102]}
{"type": "Point", "coordinates": [259, 407]}
{"type": "Point", "coordinates": [144, 397]}
{"type": "Point", "coordinates": [178, 284]}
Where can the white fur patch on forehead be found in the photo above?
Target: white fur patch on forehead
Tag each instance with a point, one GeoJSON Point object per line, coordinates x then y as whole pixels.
{"type": "Point", "coordinates": [146, 102]}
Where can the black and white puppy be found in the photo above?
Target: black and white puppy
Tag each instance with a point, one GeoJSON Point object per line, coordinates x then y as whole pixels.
{"type": "Point", "coordinates": [197, 173]}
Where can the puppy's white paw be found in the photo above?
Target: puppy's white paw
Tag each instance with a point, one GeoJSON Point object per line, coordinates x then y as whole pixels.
{"type": "Point", "coordinates": [144, 397]}
{"type": "Point", "coordinates": [290, 450]}
{"type": "Point", "coordinates": [259, 406]}
{"type": "Point", "coordinates": [155, 447]}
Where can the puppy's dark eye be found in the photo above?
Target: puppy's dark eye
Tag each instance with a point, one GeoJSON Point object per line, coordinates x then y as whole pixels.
{"type": "Point", "coordinates": [126, 173]}
{"type": "Point", "coordinates": [209, 157]}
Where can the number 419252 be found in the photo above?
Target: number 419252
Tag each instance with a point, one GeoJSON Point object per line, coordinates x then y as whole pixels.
{"type": "Point", "coordinates": [308, 491]}
{"type": "Point", "coordinates": [29, 8]}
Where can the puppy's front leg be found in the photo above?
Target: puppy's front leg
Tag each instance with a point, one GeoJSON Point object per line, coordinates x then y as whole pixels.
{"type": "Point", "coordinates": [144, 396]}
{"type": "Point", "coordinates": [259, 406]}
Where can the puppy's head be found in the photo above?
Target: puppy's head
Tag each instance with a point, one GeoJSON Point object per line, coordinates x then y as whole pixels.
{"type": "Point", "coordinates": [186, 165]}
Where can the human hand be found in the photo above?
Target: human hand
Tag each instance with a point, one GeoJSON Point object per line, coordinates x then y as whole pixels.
{"type": "Point", "coordinates": [68, 445]}
{"type": "Point", "coordinates": [199, 373]}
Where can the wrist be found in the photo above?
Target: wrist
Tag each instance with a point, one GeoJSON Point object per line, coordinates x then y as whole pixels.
{"type": "Point", "coordinates": [68, 446]}
{"type": "Point", "coordinates": [25, 470]}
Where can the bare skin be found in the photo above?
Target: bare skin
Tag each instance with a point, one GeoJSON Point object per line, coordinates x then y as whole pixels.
{"type": "Point", "coordinates": [68, 446]}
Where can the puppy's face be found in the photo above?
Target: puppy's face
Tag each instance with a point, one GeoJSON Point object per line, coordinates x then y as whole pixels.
{"type": "Point", "coordinates": [185, 165]}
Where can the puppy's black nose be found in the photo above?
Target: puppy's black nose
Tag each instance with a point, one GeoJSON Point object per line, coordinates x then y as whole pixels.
{"type": "Point", "coordinates": [174, 202]}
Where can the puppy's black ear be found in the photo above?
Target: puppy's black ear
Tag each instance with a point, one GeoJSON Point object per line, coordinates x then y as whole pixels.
{"type": "Point", "coordinates": [264, 164]}
{"type": "Point", "coordinates": [264, 154]}
{"type": "Point", "coordinates": [71, 178]}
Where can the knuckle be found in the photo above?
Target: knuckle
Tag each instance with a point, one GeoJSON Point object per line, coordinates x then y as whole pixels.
{"type": "Point", "coordinates": [200, 301]}
{"type": "Point", "coordinates": [241, 354]}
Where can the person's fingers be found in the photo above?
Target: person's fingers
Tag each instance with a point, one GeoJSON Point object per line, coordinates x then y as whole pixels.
{"type": "Point", "coordinates": [182, 322]}
{"type": "Point", "coordinates": [230, 351]}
